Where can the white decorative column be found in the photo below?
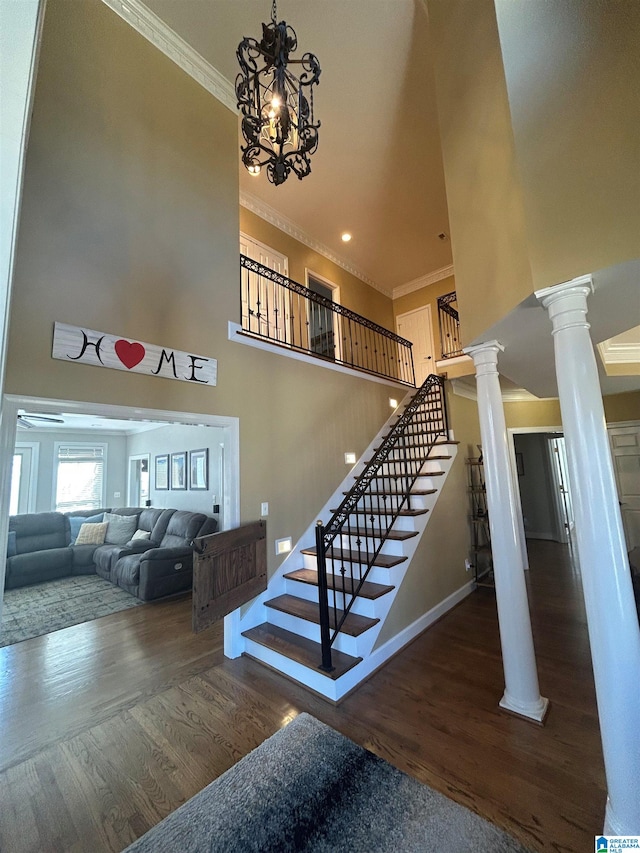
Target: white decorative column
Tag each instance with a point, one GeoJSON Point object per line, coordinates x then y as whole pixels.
{"type": "Point", "coordinates": [522, 693]}
{"type": "Point", "coordinates": [611, 614]}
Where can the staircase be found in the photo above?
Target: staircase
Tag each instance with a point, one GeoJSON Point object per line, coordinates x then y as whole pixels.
{"type": "Point", "coordinates": [319, 620]}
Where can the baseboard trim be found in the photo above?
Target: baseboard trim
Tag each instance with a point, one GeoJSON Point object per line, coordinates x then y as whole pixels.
{"type": "Point", "coordinates": [380, 656]}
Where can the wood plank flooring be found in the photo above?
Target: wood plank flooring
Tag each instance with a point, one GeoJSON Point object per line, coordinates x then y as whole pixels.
{"type": "Point", "coordinates": [107, 727]}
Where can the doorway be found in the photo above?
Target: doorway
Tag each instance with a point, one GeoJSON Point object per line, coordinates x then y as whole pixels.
{"type": "Point", "coordinates": [229, 498]}
{"type": "Point", "coordinates": [416, 327]}
{"type": "Point", "coordinates": [266, 306]}
{"type": "Point", "coordinates": [138, 480]}
{"type": "Point", "coordinates": [324, 331]}
{"type": "Point", "coordinates": [540, 464]}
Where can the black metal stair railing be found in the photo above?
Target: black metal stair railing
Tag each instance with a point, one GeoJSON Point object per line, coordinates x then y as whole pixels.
{"type": "Point", "coordinates": [353, 538]}
{"type": "Point", "coordinates": [280, 310]}
{"type": "Point", "coordinates": [449, 322]}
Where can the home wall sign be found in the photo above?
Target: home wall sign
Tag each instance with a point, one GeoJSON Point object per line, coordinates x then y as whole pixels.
{"type": "Point", "coordinates": [86, 346]}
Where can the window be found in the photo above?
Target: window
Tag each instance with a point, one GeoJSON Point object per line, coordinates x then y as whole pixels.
{"type": "Point", "coordinates": [79, 476]}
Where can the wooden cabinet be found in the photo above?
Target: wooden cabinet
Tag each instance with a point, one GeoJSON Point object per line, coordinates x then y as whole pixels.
{"type": "Point", "coordinates": [481, 557]}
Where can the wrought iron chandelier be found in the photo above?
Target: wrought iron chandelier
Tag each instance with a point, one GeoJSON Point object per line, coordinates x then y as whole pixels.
{"type": "Point", "coordinates": [278, 124]}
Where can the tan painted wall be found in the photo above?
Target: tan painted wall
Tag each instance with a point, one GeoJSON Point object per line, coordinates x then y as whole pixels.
{"type": "Point", "coordinates": [437, 569]}
{"type": "Point", "coordinates": [486, 212]}
{"type": "Point", "coordinates": [572, 69]}
{"type": "Point", "coordinates": [617, 407]}
{"type": "Point", "coordinates": [354, 293]}
{"type": "Point", "coordinates": [130, 226]}
{"type": "Point", "coordinates": [540, 128]}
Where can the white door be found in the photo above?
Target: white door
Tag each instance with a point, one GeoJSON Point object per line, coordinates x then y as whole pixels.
{"type": "Point", "coordinates": [561, 492]}
{"type": "Point", "coordinates": [415, 326]}
{"type": "Point", "coordinates": [625, 449]}
{"type": "Point", "coordinates": [138, 485]}
{"type": "Point", "coordinates": [24, 475]}
{"type": "Point", "coordinates": [265, 305]}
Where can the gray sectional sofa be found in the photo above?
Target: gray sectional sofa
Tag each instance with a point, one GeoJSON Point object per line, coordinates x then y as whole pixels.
{"type": "Point", "coordinates": [155, 562]}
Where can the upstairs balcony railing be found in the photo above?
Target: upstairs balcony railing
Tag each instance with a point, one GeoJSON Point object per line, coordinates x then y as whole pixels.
{"type": "Point", "coordinates": [277, 309]}
{"type": "Point", "coordinates": [449, 325]}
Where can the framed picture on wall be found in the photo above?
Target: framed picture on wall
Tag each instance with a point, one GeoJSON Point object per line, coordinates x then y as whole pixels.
{"type": "Point", "coordinates": [199, 469]}
{"type": "Point", "coordinates": [179, 470]}
{"type": "Point", "coordinates": [162, 472]}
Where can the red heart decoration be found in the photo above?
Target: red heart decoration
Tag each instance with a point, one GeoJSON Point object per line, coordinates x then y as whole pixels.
{"type": "Point", "coordinates": [129, 354]}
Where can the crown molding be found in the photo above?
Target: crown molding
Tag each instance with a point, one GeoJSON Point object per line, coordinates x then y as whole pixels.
{"type": "Point", "coordinates": [274, 217]}
{"type": "Point", "coordinates": [423, 281]}
{"type": "Point", "coordinates": [513, 395]}
{"type": "Point", "coordinates": [156, 31]}
{"type": "Point", "coordinates": [615, 352]}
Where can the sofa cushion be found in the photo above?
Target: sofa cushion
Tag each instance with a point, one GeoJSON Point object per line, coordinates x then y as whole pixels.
{"type": "Point", "coordinates": [92, 534]}
{"type": "Point", "coordinates": [127, 571]}
{"type": "Point", "coordinates": [120, 528]}
{"type": "Point", "coordinates": [43, 565]}
{"type": "Point", "coordinates": [39, 531]}
{"type": "Point", "coordinates": [182, 528]}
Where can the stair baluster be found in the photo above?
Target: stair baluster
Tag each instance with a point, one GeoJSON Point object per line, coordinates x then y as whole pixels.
{"type": "Point", "coordinates": [413, 437]}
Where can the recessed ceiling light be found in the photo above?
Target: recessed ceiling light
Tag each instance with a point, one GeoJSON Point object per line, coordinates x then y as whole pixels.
{"type": "Point", "coordinates": [346, 237]}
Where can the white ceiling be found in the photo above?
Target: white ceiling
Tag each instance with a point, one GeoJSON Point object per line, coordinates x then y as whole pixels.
{"type": "Point", "coordinates": [73, 422]}
{"type": "Point", "coordinates": [378, 170]}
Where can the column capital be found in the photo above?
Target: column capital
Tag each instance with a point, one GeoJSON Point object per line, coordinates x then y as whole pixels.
{"type": "Point", "coordinates": [485, 356]}
{"type": "Point", "coordinates": [581, 286]}
{"type": "Point", "coordinates": [567, 303]}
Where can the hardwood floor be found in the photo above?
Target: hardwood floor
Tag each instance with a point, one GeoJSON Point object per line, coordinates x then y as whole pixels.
{"type": "Point", "coordinates": [109, 726]}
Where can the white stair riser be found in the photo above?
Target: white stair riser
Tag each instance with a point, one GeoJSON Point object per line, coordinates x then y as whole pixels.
{"type": "Point", "coordinates": [343, 642]}
{"type": "Point", "coordinates": [313, 679]}
{"type": "Point", "coordinates": [399, 484]}
{"type": "Point", "coordinates": [363, 606]}
{"type": "Point", "coordinates": [389, 502]}
{"type": "Point", "coordinates": [392, 547]}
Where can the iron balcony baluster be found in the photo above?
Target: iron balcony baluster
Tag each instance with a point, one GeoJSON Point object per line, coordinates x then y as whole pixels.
{"type": "Point", "coordinates": [269, 301]}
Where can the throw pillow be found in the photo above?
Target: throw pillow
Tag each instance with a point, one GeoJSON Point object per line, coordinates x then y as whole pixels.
{"type": "Point", "coordinates": [76, 522]}
{"type": "Point", "coordinates": [11, 544]}
{"type": "Point", "coordinates": [92, 534]}
{"type": "Point", "coordinates": [120, 528]}
{"type": "Point", "coordinates": [141, 534]}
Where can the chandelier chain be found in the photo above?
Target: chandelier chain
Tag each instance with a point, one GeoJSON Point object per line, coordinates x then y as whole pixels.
{"type": "Point", "coordinates": [274, 12]}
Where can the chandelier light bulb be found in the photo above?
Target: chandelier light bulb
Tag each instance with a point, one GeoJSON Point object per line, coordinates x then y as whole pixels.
{"type": "Point", "coordinates": [254, 169]}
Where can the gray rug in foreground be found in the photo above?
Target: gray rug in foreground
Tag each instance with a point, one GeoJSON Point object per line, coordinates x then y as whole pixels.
{"type": "Point", "coordinates": [309, 788]}
{"type": "Point", "coordinates": [41, 608]}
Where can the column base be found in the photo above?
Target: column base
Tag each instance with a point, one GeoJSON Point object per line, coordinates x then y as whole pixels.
{"type": "Point", "coordinates": [612, 825]}
{"type": "Point", "coordinates": [534, 712]}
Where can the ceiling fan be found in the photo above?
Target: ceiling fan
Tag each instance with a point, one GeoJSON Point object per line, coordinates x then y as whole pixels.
{"type": "Point", "coordinates": [24, 420]}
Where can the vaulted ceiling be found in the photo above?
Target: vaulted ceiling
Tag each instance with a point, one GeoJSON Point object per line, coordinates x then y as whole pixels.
{"type": "Point", "coordinates": [378, 170]}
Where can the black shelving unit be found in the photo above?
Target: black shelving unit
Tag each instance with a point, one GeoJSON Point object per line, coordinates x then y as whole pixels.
{"type": "Point", "coordinates": [481, 556]}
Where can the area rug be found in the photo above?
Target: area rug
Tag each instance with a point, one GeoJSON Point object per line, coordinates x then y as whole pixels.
{"type": "Point", "coordinates": [309, 789]}
{"type": "Point", "coordinates": [31, 611]}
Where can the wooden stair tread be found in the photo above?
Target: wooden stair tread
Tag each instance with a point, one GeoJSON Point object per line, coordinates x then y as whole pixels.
{"type": "Point", "coordinates": [377, 533]}
{"type": "Point", "coordinates": [385, 561]}
{"type": "Point", "coordinates": [390, 461]}
{"type": "Point", "coordinates": [353, 625]}
{"type": "Point", "coordinates": [403, 512]}
{"type": "Point", "coordinates": [368, 590]}
{"type": "Point", "coordinates": [392, 494]}
{"type": "Point", "coordinates": [299, 649]}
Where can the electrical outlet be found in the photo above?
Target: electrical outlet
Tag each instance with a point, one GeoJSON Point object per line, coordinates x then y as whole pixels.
{"type": "Point", "coordinates": [116, 494]}
{"type": "Point", "coordinates": [468, 564]}
{"type": "Point", "coordinates": [264, 509]}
